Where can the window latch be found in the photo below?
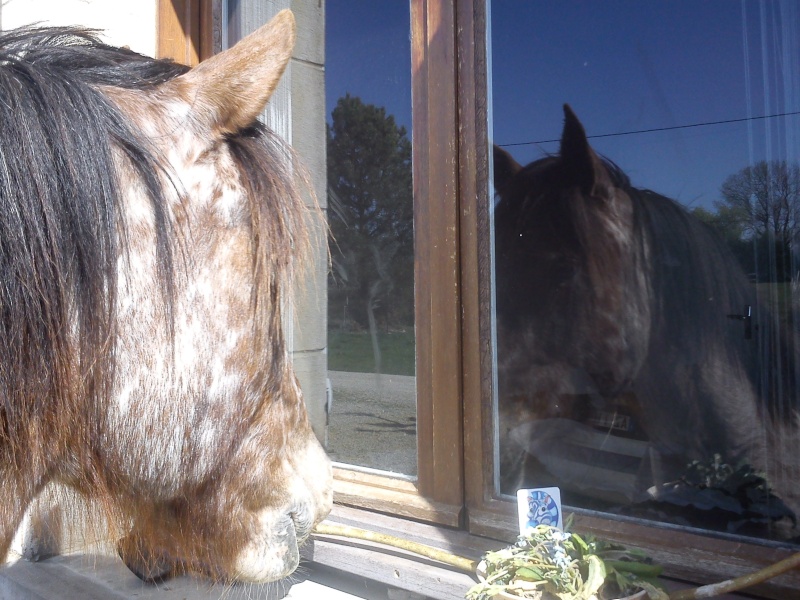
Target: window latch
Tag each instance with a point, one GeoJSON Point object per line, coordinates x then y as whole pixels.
{"type": "Point", "coordinates": [747, 319]}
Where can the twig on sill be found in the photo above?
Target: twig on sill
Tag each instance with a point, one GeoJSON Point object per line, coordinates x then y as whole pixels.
{"type": "Point", "coordinates": [459, 562]}
{"type": "Point", "coordinates": [740, 583]}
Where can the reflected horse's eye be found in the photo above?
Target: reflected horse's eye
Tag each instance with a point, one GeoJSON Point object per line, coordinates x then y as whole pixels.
{"type": "Point", "coordinates": [561, 268]}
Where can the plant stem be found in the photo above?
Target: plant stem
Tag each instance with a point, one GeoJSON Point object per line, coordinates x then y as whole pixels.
{"type": "Point", "coordinates": [732, 585]}
{"type": "Point", "coordinates": [459, 562]}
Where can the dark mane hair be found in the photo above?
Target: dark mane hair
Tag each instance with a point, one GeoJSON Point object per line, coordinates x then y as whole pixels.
{"type": "Point", "coordinates": [265, 163]}
{"type": "Point", "coordinates": [79, 55]}
{"type": "Point", "coordinates": [63, 232]}
{"type": "Point", "coordinates": [690, 261]}
{"type": "Point", "coordinates": [693, 263]}
{"type": "Point", "coordinates": [58, 196]}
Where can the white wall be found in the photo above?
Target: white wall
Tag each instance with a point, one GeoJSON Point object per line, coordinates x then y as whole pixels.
{"type": "Point", "coordinates": [297, 113]}
{"type": "Point", "coordinates": [124, 22]}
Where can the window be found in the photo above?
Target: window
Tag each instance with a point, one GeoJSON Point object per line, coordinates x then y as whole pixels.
{"type": "Point", "coordinates": [371, 345]}
{"type": "Point", "coordinates": [479, 74]}
{"type": "Point", "coordinates": [434, 491]}
{"type": "Point", "coordinates": [645, 359]}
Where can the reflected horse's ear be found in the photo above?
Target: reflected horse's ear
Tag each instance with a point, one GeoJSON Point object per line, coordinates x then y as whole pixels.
{"type": "Point", "coordinates": [505, 167]}
{"type": "Point", "coordinates": [582, 165]}
{"type": "Point", "coordinates": [228, 91]}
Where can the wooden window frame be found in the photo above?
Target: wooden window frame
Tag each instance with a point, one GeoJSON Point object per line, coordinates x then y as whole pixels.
{"type": "Point", "coordinates": [698, 557]}
{"type": "Point", "coordinates": [437, 493]}
{"type": "Point", "coordinates": [455, 432]}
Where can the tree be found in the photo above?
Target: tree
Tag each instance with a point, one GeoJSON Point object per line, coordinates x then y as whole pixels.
{"type": "Point", "coordinates": [371, 217]}
{"type": "Point", "coordinates": [728, 226]}
{"type": "Point", "coordinates": [764, 199]}
{"type": "Point", "coordinates": [763, 202]}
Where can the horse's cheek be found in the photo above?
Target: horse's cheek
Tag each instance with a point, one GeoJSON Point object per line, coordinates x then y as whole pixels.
{"type": "Point", "coordinates": [283, 501]}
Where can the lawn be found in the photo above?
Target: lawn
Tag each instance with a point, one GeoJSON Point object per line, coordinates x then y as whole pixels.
{"type": "Point", "coordinates": [353, 352]}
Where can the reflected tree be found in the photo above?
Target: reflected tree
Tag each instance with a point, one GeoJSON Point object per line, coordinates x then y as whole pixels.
{"type": "Point", "coordinates": [764, 199]}
{"type": "Point", "coordinates": [370, 202]}
{"type": "Point", "coordinates": [759, 216]}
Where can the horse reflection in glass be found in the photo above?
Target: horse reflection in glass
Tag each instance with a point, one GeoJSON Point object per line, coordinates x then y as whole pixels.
{"type": "Point", "coordinates": [620, 313]}
{"type": "Point", "coordinates": [148, 236]}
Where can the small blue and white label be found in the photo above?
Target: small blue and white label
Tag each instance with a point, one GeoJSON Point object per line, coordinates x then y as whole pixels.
{"type": "Point", "coordinates": [539, 506]}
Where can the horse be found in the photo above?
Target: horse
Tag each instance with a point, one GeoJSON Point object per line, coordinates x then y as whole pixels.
{"type": "Point", "coordinates": [151, 230]}
{"type": "Point", "coordinates": [630, 342]}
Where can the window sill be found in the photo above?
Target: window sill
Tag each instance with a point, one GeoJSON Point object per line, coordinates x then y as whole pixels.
{"type": "Point", "coordinates": [409, 572]}
{"type": "Point", "coordinates": [331, 569]}
{"type": "Point", "coordinates": [395, 567]}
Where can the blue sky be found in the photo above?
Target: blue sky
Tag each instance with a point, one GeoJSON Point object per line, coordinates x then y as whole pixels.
{"type": "Point", "coordinates": [623, 65]}
{"type": "Point", "coordinates": [368, 54]}
{"type": "Point", "coordinates": [627, 66]}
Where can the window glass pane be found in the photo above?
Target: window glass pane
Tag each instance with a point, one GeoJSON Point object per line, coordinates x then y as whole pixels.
{"type": "Point", "coordinates": [646, 340]}
{"type": "Point", "coordinates": [371, 348]}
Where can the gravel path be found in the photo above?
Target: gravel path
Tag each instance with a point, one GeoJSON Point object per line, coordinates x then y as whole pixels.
{"type": "Point", "coordinates": [373, 421]}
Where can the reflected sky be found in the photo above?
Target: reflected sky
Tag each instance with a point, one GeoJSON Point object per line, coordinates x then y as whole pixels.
{"type": "Point", "coordinates": [368, 54]}
{"type": "Point", "coordinates": [625, 66]}
{"type": "Point", "coordinates": [630, 66]}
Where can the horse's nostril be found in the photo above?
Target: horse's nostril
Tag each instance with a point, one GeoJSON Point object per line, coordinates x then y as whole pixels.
{"type": "Point", "coordinates": [146, 564]}
{"type": "Point", "coordinates": [605, 381]}
{"type": "Point", "coordinates": [303, 521]}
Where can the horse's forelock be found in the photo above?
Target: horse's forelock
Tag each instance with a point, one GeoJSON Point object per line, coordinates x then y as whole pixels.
{"type": "Point", "coordinates": [278, 217]}
{"type": "Point", "coordinates": [85, 57]}
{"type": "Point", "coordinates": [544, 193]}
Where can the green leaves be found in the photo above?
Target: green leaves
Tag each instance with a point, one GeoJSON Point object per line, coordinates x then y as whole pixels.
{"type": "Point", "coordinates": [595, 577]}
{"type": "Point", "coordinates": [548, 564]}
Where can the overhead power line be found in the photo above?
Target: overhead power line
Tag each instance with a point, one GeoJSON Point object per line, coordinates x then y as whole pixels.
{"type": "Point", "coordinates": [656, 129]}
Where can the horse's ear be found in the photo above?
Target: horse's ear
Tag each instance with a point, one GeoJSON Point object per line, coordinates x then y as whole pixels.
{"type": "Point", "coordinates": [505, 167]}
{"type": "Point", "coordinates": [583, 167]}
{"type": "Point", "coordinates": [228, 91]}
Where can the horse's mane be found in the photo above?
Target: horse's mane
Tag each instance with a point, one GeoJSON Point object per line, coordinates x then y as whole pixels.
{"type": "Point", "coordinates": [78, 54]}
{"type": "Point", "coordinates": [695, 280]}
{"type": "Point", "coordinates": [697, 283]}
{"type": "Point", "coordinates": [58, 197]}
{"type": "Point", "coordinates": [62, 230]}
{"type": "Point", "coordinates": [690, 259]}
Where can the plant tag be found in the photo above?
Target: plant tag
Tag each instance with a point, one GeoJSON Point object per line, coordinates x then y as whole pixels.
{"type": "Point", "coordinates": [539, 506]}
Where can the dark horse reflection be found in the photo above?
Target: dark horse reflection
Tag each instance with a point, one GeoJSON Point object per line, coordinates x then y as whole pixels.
{"type": "Point", "coordinates": [630, 342]}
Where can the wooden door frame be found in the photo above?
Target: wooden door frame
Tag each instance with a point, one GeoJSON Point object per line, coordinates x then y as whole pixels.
{"type": "Point", "coordinates": [188, 31]}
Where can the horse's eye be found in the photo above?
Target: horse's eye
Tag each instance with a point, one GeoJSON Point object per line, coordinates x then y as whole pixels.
{"type": "Point", "coordinates": [564, 269]}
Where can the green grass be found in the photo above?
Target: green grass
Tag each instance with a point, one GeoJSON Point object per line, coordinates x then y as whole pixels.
{"type": "Point", "coordinates": [353, 352]}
